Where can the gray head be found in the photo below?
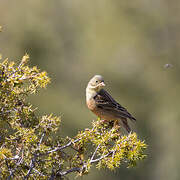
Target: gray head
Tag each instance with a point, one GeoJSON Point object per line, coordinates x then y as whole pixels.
{"type": "Point", "coordinates": [96, 83]}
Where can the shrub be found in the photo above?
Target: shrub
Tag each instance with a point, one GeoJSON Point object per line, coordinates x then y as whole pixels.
{"type": "Point", "coordinates": [28, 148]}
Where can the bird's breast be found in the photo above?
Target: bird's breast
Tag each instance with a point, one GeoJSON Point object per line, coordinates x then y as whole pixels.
{"type": "Point", "coordinates": [98, 111]}
{"type": "Point", "coordinates": [91, 104]}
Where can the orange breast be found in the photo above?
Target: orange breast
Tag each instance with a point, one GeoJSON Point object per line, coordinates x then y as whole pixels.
{"type": "Point", "coordinates": [91, 104]}
{"type": "Point", "coordinates": [99, 112]}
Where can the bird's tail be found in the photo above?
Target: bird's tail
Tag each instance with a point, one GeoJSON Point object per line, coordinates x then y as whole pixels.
{"type": "Point", "coordinates": [126, 126]}
{"type": "Point", "coordinates": [132, 118]}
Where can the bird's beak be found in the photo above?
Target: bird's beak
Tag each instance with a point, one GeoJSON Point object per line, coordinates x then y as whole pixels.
{"type": "Point", "coordinates": [102, 84]}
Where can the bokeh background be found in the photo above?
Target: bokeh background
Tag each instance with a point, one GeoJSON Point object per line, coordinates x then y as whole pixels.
{"type": "Point", "coordinates": [130, 43]}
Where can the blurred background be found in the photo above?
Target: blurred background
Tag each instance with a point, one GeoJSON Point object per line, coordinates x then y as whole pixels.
{"type": "Point", "coordinates": [135, 45]}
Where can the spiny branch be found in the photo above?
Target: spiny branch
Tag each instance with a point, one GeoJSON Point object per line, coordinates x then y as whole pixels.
{"type": "Point", "coordinates": [35, 156]}
{"type": "Point", "coordinates": [62, 147]}
{"type": "Point", "coordinates": [94, 153]}
{"type": "Point", "coordinates": [78, 169]}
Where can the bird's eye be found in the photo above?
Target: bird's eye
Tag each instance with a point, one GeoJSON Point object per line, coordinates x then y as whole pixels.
{"type": "Point", "coordinates": [96, 81]}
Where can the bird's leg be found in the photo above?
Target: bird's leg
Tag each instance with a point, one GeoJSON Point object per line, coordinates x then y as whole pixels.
{"type": "Point", "coordinates": [116, 124]}
{"type": "Point", "coordinates": [102, 121]}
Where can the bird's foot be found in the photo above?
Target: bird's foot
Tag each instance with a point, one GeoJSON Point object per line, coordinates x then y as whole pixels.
{"type": "Point", "coordinates": [103, 121]}
{"type": "Point", "coordinates": [116, 126]}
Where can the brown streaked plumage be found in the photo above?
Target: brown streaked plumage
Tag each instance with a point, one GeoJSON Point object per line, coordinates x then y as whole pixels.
{"type": "Point", "coordinates": [103, 105]}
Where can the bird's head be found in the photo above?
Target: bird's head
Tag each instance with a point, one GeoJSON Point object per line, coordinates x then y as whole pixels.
{"type": "Point", "coordinates": [96, 83]}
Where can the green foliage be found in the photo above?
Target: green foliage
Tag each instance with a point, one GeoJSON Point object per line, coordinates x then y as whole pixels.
{"type": "Point", "coordinates": [111, 148]}
{"type": "Point", "coordinates": [28, 149]}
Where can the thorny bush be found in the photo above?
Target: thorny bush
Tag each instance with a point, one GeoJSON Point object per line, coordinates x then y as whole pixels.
{"type": "Point", "coordinates": [28, 149]}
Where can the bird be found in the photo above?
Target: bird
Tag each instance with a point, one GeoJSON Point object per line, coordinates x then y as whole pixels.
{"type": "Point", "coordinates": [100, 102]}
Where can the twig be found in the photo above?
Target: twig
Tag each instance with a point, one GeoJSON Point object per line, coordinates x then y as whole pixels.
{"type": "Point", "coordinates": [94, 153]}
{"type": "Point", "coordinates": [52, 177]}
{"type": "Point", "coordinates": [61, 147]}
{"type": "Point", "coordinates": [11, 172]}
{"type": "Point", "coordinates": [38, 172]}
{"type": "Point", "coordinates": [41, 139]}
{"type": "Point", "coordinates": [35, 156]}
{"type": "Point", "coordinates": [32, 165]}
{"type": "Point", "coordinates": [102, 157]}
{"type": "Point", "coordinates": [19, 159]}
{"type": "Point", "coordinates": [77, 169]}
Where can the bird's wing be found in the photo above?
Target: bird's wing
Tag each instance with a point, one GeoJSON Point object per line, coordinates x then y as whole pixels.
{"type": "Point", "coordinates": [104, 101]}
